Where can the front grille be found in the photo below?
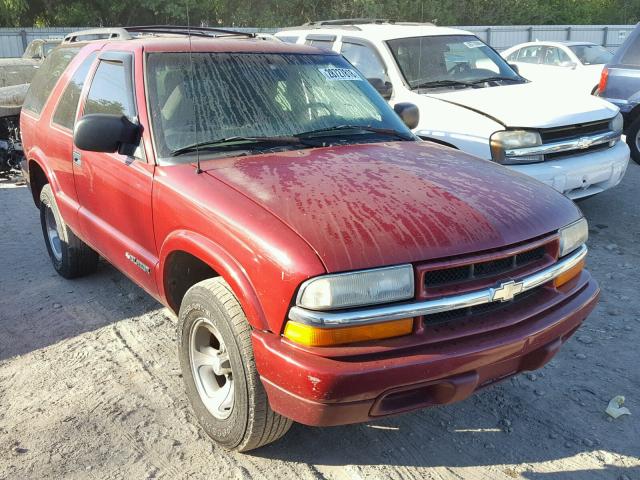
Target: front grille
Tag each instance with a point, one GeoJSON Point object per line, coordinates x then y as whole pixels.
{"type": "Point", "coordinates": [594, 148]}
{"type": "Point", "coordinates": [462, 314]}
{"type": "Point", "coordinates": [570, 132]}
{"type": "Point", "coordinates": [482, 270]}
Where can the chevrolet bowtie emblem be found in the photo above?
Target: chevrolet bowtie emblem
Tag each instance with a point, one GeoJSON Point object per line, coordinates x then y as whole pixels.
{"type": "Point", "coordinates": [507, 291]}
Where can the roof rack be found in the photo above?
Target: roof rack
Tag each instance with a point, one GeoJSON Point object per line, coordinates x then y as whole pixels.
{"type": "Point", "coordinates": [347, 21]}
{"type": "Point", "coordinates": [125, 32]}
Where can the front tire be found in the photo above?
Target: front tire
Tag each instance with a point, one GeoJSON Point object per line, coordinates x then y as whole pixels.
{"type": "Point", "coordinates": [218, 367]}
{"type": "Point", "coordinates": [633, 139]}
{"type": "Point", "coordinates": [70, 256]}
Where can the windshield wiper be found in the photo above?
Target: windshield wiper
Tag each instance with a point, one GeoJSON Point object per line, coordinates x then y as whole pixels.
{"type": "Point", "coordinates": [341, 128]}
{"type": "Point", "coordinates": [443, 83]}
{"type": "Point", "coordinates": [495, 79]}
{"type": "Point", "coordinates": [221, 142]}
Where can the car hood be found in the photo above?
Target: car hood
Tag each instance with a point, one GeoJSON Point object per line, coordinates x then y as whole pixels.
{"type": "Point", "coordinates": [530, 105]}
{"type": "Point", "coordinates": [362, 206]}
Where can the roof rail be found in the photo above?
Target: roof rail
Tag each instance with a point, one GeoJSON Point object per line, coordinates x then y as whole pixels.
{"type": "Point", "coordinates": [97, 34]}
{"type": "Point", "coordinates": [186, 30]}
{"type": "Point", "coordinates": [125, 33]}
{"type": "Point", "coordinates": [347, 21]}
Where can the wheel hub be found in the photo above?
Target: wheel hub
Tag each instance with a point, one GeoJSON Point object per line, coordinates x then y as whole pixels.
{"type": "Point", "coordinates": [211, 368]}
{"type": "Point", "coordinates": [52, 234]}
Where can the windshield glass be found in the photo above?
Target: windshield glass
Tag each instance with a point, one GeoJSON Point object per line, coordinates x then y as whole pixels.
{"type": "Point", "coordinates": [225, 95]}
{"type": "Point", "coordinates": [448, 59]}
{"type": "Point", "coordinates": [591, 54]}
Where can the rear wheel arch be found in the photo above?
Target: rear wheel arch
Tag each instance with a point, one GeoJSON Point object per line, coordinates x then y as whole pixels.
{"type": "Point", "coordinates": [188, 258]}
{"type": "Point", "coordinates": [37, 179]}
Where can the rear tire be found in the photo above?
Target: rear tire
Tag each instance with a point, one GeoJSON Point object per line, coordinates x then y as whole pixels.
{"type": "Point", "coordinates": [70, 256]}
{"type": "Point", "coordinates": [633, 139]}
{"type": "Point", "coordinates": [218, 368]}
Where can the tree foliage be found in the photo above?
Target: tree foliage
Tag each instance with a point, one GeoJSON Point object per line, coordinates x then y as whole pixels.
{"type": "Point", "coordinates": [277, 13]}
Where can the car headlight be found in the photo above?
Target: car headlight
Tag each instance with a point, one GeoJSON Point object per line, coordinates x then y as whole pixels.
{"type": "Point", "coordinates": [573, 236]}
{"type": "Point", "coordinates": [504, 141]}
{"type": "Point", "coordinates": [617, 123]}
{"type": "Point", "coordinates": [352, 289]}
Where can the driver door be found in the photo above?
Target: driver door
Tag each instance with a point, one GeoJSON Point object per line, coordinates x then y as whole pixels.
{"type": "Point", "coordinates": [114, 190]}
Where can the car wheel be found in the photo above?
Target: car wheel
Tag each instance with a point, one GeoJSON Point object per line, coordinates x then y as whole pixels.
{"type": "Point", "coordinates": [70, 256]}
{"type": "Point", "coordinates": [221, 380]}
{"type": "Point", "coordinates": [633, 139]}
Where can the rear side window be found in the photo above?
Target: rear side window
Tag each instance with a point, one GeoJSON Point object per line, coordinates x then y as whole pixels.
{"type": "Point", "coordinates": [65, 114]}
{"type": "Point", "coordinates": [632, 54]}
{"type": "Point", "coordinates": [109, 92]}
{"type": "Point", "coordinates": [47, 77]}
{"type": "Point", "coordinates": [323, 44]}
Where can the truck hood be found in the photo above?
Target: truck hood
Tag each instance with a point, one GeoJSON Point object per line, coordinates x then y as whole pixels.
{"type": "Point", "coordinates": [530, 105]}
{"type": "Point", "coordinates": [362, 206]}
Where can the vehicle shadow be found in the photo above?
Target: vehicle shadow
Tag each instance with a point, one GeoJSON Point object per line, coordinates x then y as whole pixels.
{"type": "Point", "coordinates": [38, 308]}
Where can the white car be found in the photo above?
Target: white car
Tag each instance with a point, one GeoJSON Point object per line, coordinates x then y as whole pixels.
{"type": "Point", "coordinates": [574, 65]}
{"type": "Point", "coordinates": [470, 99]}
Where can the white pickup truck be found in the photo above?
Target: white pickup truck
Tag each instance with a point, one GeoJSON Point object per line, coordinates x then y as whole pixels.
{"type": "Point", "coordinates": [471, 99]}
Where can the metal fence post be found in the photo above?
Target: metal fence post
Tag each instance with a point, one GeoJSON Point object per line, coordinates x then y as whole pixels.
{"type": "Point", "coordinates": [569, 33]}
{"type": "Point", "coordinates": [605, 36]}
{"type": "Point", "coordinates": [23, 35]}
{"type": "Point", "coordinates": [488, 35]}
{"type": "Point", "coordinates": [530, 34]}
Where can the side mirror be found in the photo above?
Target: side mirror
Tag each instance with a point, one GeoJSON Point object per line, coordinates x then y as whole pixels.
{"type": "Point", "coordinates": [408, 113]}
{"type": "Point", "coordinates": [106, 133]}
{"type": "Point", "coordinates": [515, 68]}
{"type": "Point", "coordinates": [385, 89]}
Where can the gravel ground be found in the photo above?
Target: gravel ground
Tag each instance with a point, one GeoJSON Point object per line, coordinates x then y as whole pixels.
{"type": "Point", "coordinates": [90, 384]}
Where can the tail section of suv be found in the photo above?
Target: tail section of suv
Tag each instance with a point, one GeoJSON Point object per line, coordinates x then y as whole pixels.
{"type": "Point", "coordinates": [620, 85]}
{"type": "Point", "coordinates": [327, 266]}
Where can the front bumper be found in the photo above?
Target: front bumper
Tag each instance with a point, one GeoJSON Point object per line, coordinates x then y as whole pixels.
{"type": "Point", "coordinates": [320, 390]}
{"type": "Point", "coordinates": [583, 174]}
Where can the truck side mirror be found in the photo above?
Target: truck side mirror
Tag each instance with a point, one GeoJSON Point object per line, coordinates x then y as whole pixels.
{"type": "Point", "coordinates": [408, 113]}
{"type": "Point", "coordinates": [515, 68]}
{"type": "Point", "coordinates": [100, 132]}
{"type": "Point", "coordinates": [385, 89]}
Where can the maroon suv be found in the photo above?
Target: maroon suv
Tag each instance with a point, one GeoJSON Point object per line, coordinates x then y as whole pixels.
{"type": "Point", "coordinates": [327, 266]}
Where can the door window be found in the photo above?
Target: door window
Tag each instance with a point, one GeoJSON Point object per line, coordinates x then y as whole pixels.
{"type": "Point", "coordinates": [530, 54]}
{"type": "Point", "coordinates": [364, 59]}
{"type": "Point", "coordinates": [632, 54]}
{"type": "Point", "coordinates": [109, 92]}
{"type": "Point", "coordinates": [65, 114]}
{"type": "Point", "coordinates": [513, 57]}
{"type": "Point", "coordinates": [556, 57]}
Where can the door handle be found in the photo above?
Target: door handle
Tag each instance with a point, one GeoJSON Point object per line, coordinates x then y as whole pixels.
{"type": "Point", "coordinates": [77, 159]}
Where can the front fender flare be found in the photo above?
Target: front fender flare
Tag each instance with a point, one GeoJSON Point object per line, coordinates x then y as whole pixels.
{"type": "Point", "coordinates": [219, 260]}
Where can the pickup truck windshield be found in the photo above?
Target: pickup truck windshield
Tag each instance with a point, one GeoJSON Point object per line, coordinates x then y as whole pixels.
{"type": "Point", "coordinates": [247, 96]}
{"type": "Point", "coordinates": [450, 61]}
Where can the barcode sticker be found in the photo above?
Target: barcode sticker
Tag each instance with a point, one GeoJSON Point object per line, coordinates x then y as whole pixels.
{"type": "Point", "coordinates": [340, 74]}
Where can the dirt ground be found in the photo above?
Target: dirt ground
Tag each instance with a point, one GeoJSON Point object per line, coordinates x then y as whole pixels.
{"type": "Point", "coordinates": [90, 384]}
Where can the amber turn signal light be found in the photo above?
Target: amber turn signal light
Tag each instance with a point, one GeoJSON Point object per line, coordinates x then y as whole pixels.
{"type": "Point", "coordinates": [311, 336]}
{"type": "Point", "coordinates": [569, 274]}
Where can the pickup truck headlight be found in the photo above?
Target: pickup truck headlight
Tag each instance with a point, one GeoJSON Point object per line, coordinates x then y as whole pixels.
{"type": "Point", "coordinates": [353, 289]}
{"type": "Point", "coordinates": [573, 236]}
{"type": "Point", "coordinates": [617, 123]}
{"type": "Point", "coordinates": [505, 140]}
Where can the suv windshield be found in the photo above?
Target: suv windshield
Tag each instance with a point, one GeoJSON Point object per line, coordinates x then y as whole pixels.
{"type": "Point", "coordinates": [234, 100]}
{"type": "Point", "coordinates": [449, 61]}
{"type": "Point", "coordinates": [591, 54]}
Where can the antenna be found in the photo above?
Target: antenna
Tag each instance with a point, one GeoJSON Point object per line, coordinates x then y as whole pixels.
{"type": "Point", "coordinates": [193, 89]}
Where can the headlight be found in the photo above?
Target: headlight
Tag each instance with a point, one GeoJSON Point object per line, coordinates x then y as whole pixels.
{"type": "Point", "coordinates": [366, 287]}
{"type": "Point", "coordinates": [617, 123]}
{"type": "Point", "coordinates": [505, 140]}
{"type": "Point", "coordinates": [573, 236]}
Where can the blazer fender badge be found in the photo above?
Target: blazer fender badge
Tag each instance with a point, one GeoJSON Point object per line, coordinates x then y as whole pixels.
{"type": "Point", "coordinates": [137, 262]}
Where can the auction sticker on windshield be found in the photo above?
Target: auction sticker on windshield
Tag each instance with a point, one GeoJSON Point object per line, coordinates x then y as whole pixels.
{"type": "Point", "coordinates": [474, 44]}
{"type": "Point", "coordinates": [340, 74]}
